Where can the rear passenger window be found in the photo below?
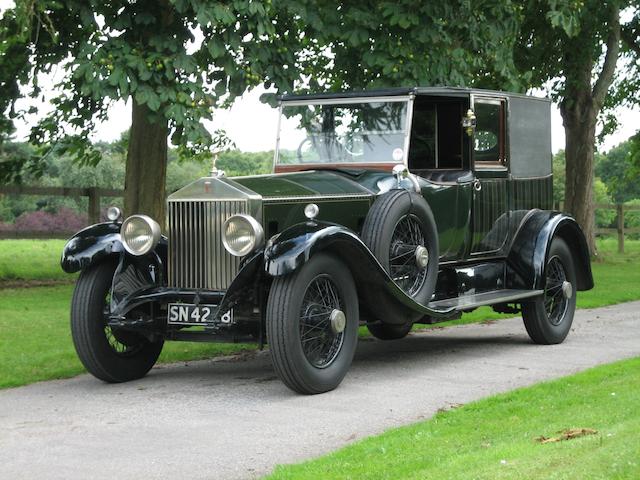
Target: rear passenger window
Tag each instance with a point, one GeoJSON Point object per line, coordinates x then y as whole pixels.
{"type": "Point", "coordinates": [489, 135]}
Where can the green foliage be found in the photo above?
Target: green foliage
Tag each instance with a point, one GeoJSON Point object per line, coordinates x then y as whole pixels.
{"type": "Point", "coordinates": [179, 58]}
{"type": "Point", "coordinates": [61, 170]}
{"type": "Point", "coordinates": [604, 217]}
{"type": "Point", "coordinates": [559, 177]}
{"type": "Point", "coordinates": [613, 168]}
{"type": "Point", "coordinates": [633, 173]}
{"type": "Point", "coordinates": [562, 45]}
{"type": "Point", "coordinates": [632, 217]}
{"type": "Point", "coordinates": [383, 43]}
{"type": "Point", "coordinates": [237, 163]}
{"type": "Point", "coordinates": [183, 58]}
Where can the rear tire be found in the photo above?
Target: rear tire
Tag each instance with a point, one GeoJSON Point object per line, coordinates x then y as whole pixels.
{"type": "Point", "coordinates": [548, 318]}
{"type": "Point", "coordinates": [309, 353]}
{"type": "Point", "coordinates": [108, 354]}
{"type": "Point", "coordinates": [386, 331]}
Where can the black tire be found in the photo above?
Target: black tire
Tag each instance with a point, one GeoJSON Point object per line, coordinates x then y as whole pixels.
{"type": "Point", "coordinates": [379, 234]}
{"type": "Point", "coordinates": [97, 344]}
{"type": "Point", "coordinates": [292, 295]}
{"type": "Point", "coordinates": [548, 318]}
{"type": "Point", "coordinates": [385, 331]}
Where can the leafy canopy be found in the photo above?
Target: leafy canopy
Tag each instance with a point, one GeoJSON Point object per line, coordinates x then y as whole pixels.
{"type": "Point", "coordinates": [563, 45]}
{"type": "Point", "coordinates": [184, 58]}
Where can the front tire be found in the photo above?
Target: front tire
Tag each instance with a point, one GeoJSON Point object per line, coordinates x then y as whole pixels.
{"type": "Point", "coordinates": [548, 318]}
{"type": "Point", "coordinates": [312, 325]}
{"type": "Point", "coordinates": [108, 354]}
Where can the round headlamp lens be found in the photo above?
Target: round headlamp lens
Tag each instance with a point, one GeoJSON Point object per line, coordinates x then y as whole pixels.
{"type": "Point", "coordinates": [114, 213]}
{"type": "Point", "coordinates": [140, 234]}
{"type": "Point", "coordinates": [241, 234]}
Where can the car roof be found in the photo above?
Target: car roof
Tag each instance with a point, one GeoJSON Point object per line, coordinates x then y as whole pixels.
{"type": "Point", "coordinates": [398, 91]}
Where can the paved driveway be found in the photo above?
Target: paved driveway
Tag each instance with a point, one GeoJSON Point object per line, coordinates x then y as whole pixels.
{"type": "Point", "coordinates": [231, 418]}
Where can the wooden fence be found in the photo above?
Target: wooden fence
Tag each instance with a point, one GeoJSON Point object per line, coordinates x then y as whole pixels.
{"type": "Point", "coordinates": [93, 211]}
{"type": "Point", "coordinates": [620, 231]}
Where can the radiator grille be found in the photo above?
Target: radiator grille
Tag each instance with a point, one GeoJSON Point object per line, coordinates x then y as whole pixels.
{"type": "Point", "coordinates": [197, 257]}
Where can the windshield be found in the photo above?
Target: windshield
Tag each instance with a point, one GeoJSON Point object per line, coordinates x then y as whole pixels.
{"type": "Point", "coordinates": [371, 132]}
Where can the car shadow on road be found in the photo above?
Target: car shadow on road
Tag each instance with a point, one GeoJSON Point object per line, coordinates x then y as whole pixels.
{"type": "Point", "coordinates": [251, 374]}
{"type": "Point", "coordinates": [254, 370]}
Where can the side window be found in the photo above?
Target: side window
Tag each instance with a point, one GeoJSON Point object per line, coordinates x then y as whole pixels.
{"type": "Point", "coordinates": [436, 134]}
{"type": "Point", "coordinates": [489, 136]}
{"type": "Point", "coordinates": [424, 142]}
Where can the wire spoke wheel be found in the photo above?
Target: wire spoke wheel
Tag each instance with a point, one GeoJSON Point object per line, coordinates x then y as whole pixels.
{"type": "Point", "coordinates": [555, 302]}
{"type": "Point", "coordinates": [320, 341]}
{"type": "Point", "coordinates": [312, 324]}
{"type": "Point", "coordinates": [123, 344]}
{"type": "Point", "coordinates": [548, 317]}
{"type": "Point", "coordinates": [405, 271]}
{"type": "Point", "coordinates": [110, 354]}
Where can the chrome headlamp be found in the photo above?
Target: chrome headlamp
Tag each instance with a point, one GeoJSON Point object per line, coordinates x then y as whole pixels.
{"type": "Point", "coordinates": [140, 234]}
{"type": "Point", "coordinates": [241, 234]}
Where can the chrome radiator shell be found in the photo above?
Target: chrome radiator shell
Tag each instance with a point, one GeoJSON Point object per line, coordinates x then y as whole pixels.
{"type": "Point", "coordinates": [195, 217]}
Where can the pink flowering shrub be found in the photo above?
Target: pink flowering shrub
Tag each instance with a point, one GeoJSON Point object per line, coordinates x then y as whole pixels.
{"type": "Point", "coordinates": [64, 220]}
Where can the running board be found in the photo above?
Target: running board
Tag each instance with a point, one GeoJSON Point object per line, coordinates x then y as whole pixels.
{"type": "Point", "coordinates": [493, 297]}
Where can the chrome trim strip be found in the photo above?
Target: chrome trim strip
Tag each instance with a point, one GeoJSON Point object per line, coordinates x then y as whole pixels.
{"type": "Point", "coordinates": [491, 297]}
{"type": "Point", "coordinates": [317, 198]}
{"type": "Point", "coordinates": [407, 131]}
{"type": "Point", "coordinates": [276, 153]}
{"type": "Point", "coordinates": [345, 101]}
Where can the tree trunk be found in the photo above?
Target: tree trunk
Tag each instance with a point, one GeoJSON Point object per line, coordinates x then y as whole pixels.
{"type": "Point", "coordinates": [580, 131]}
{"type": "Point", "coordinates": [146, 169]}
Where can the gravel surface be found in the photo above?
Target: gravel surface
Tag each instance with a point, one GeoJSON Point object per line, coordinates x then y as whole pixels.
{"type": "Point", "coordinates": [232, 418]}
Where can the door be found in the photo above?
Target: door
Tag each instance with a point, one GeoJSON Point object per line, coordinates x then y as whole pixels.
{"type": "Point", "coordinates": [490, 204]}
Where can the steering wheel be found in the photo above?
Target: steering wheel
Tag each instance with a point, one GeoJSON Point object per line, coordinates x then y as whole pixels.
{"type": "Point", "coordinates": [302, 147]}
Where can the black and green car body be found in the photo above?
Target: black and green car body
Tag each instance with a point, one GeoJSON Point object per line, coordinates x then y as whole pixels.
{"type": "Point", "coordinates": [384, 209]}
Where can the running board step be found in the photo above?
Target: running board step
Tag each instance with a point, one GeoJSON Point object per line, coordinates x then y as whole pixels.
{"type": "Point", "coordinates": [485, 298]}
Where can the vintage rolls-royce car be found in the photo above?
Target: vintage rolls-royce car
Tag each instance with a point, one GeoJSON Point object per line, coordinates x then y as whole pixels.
{"type": "Point", "coordinates": [384, 208]}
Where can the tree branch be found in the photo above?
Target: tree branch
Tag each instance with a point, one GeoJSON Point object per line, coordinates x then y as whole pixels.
{"type": "Point", "coordinates": [611, 58]}
{"type": "Point", "coordinates": [630, 41]}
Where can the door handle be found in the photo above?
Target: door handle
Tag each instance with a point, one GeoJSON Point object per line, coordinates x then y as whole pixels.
{"type": "Point", "coordinates": [466, 178]}
{"type": "Point", "coordinates": [477, 185]}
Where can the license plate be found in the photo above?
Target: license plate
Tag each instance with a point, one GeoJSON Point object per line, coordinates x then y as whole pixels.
{"type": "Point", "coordinates": [193, 315]}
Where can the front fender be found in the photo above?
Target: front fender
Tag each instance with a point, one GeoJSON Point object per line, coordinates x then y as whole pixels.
{"type": "Point", "coordinates": [527, 257]}
{"type": "Point", "coordinates": [97, 242]}
{"type": "Point", "coordinates": [91, 245]}
{"type": "Point", "coordinates": [292, 248]}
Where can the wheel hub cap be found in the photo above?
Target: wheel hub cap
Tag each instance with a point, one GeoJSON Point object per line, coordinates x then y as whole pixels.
{"type": "Point", "coordinates": [422, 256]}
{"type": "Point", "coordinates": [338, 321]}
{"type": "Point", "coordinates": [567, 290]}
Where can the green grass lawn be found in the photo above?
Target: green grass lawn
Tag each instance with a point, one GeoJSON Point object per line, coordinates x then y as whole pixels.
{"type": "Point", "coordinates": [32, 260]}
{"type": "Point", "coordinates": [495, 438]}
{"type": "Point", "coordinates": [35, 342]}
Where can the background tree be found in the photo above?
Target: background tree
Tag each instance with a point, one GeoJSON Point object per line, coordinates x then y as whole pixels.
{"type": "Point", "coordinates": [575, 48]}
{"type": "Point", "coordinates": [178, 59]}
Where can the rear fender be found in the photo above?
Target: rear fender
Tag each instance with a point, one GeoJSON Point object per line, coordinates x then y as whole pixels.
{"type": "Point", "coordinates": [526, 261]}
